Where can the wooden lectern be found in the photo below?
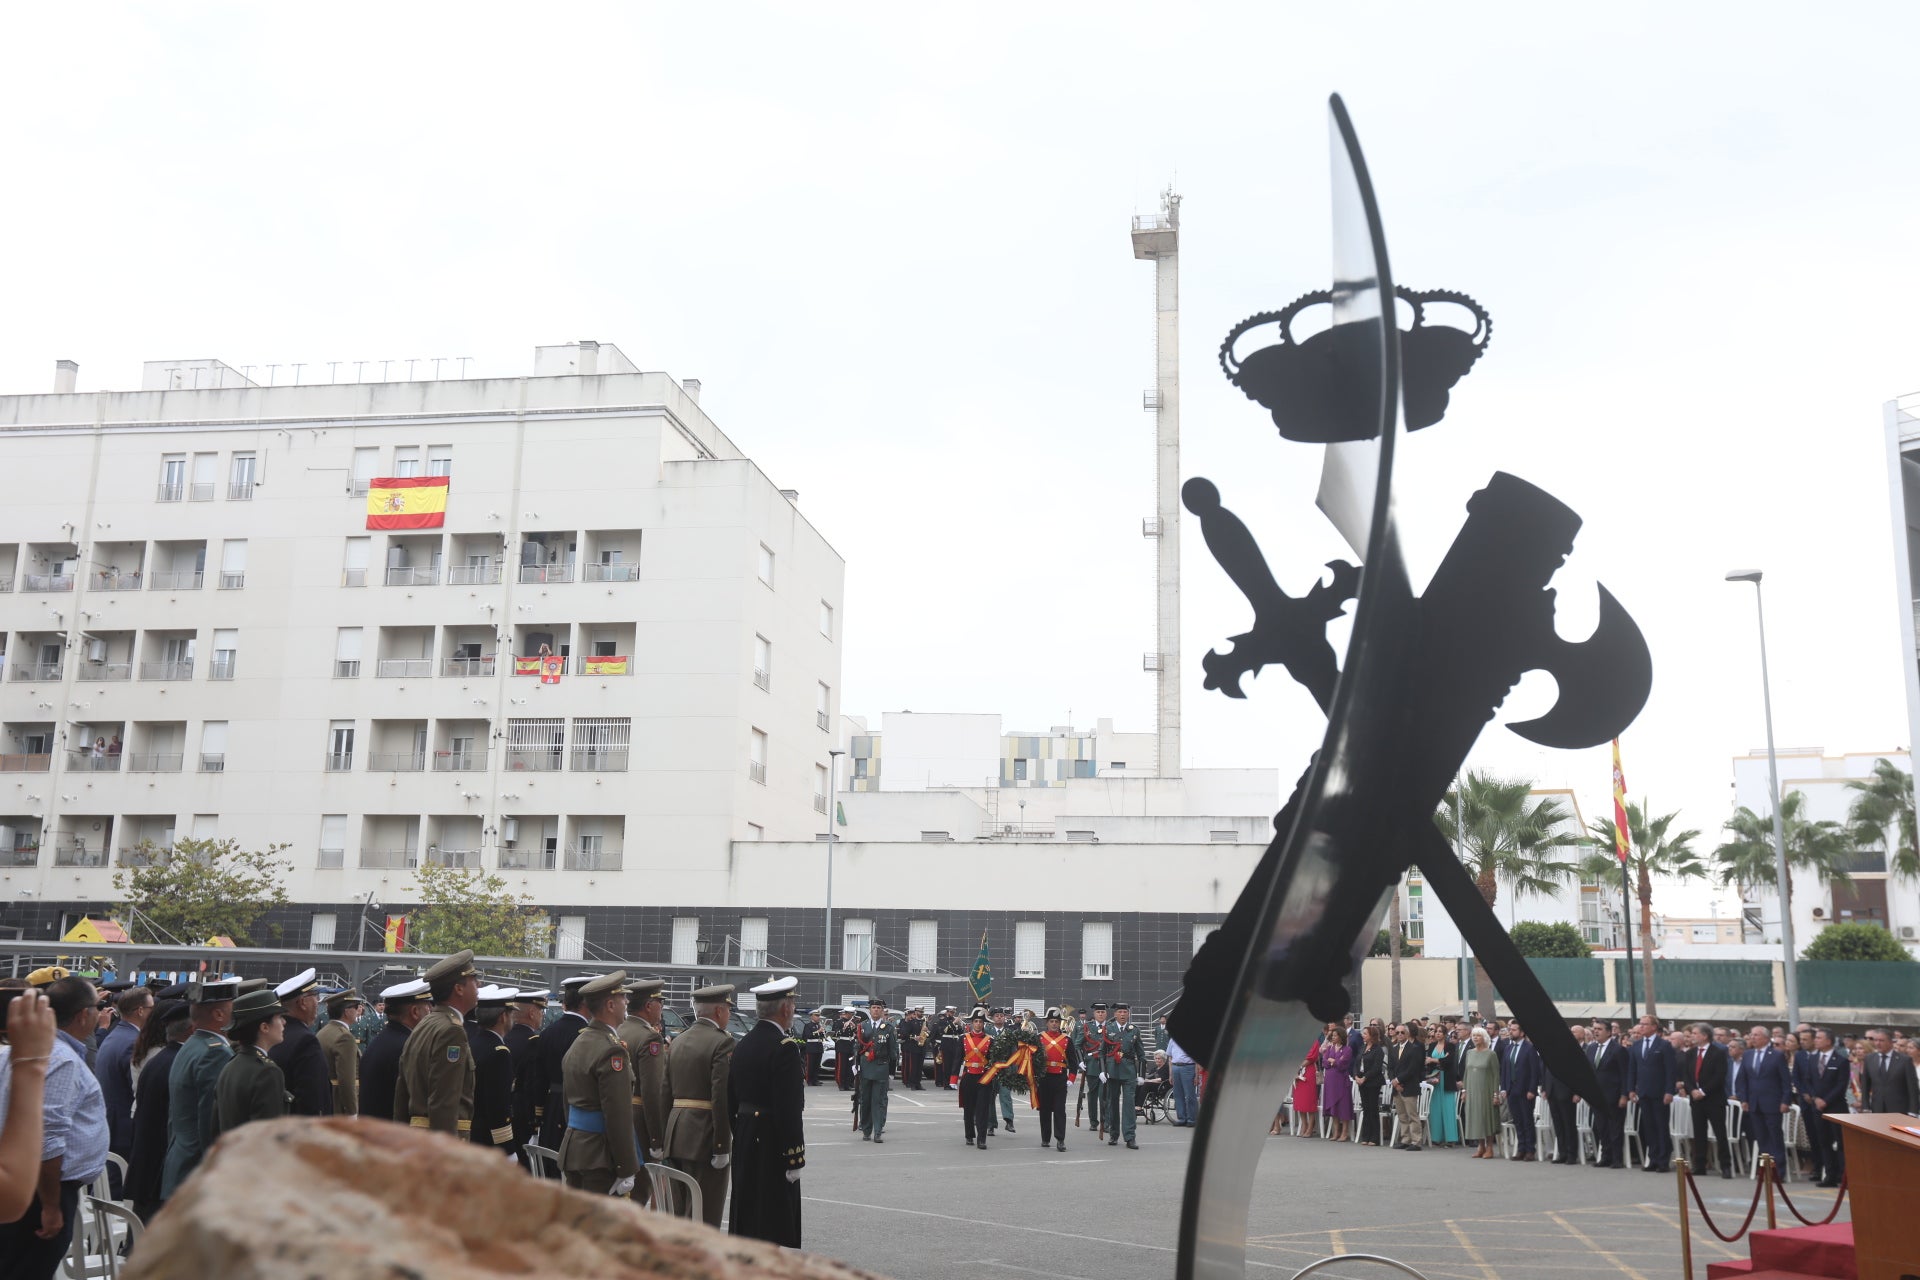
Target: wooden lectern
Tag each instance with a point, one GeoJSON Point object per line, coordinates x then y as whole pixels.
{"type": "Point", "coordinates": [1883, 1179]}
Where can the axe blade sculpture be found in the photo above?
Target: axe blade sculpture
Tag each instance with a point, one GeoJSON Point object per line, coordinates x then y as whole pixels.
{"type": "Point", "coordinates": [1421, 677]}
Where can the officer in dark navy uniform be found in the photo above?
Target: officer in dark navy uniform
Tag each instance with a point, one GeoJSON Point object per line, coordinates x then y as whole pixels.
{"type": "Point", "coordinates": [299, 1054]}
{"type": "Point", "coordinates": [492, 1071]}
{"type": "Point", "coordinates": [555, 1040]}
{"type": "Point", "coordinates": [403, 1005]}
{"type": "Point", "coordinates": [769, 1135]}
{"type": "Point", "coordinates": [526, 1010]}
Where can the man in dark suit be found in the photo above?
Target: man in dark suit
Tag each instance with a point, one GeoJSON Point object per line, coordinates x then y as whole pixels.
{"type": "Point", "coordinates": [1520, 1083]}
{"type": "Point", "coordinates": [1703, 1074]}
{"type": "Point", "coordinates": [298, 1055]}
{"type": "Point", "coordinates": [1406, 1065]}
{"type": "Point", "coordinates": [1889, 1086]}
{"type": "Point", "coordinates": [1609, 1114]}
{"type": "Point", "coordinates": [1566, 1138]}
{"type": "Point", "coordinates": [1826, 1071]}
{"type": "Point", "coordinates": [1765, 1093]}
{"type": "Point", "coordinates": [1655, 1076]}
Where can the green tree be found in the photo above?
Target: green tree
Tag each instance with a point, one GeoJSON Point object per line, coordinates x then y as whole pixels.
{"type": "Point", "coordinates": [1747, 860]}
{"type": "Point", "coordinates": [465, 908]}
{"type": "Point", "coordinates": [1383, 944]}
{"type": "Point", "coordinates": [1506, 835]}
{"type": "Point", "coordinates": [193, 890]}
{"type": "Point", "coordinates": [1558, 940]}
{"type": "Point", "coordinates": [1655, 849]}
{"type": "Point", "coordinates": [1855, 942]}
{"type": "Point", "coordinates": [1885, 801]}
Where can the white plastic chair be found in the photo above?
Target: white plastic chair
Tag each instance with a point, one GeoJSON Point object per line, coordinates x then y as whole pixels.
{"type": "Point", "coordinates": [117, 1230]}
{"type": "Point", "coordinates": [1583, 1132]}
{"type": "Point", "coordinates": [545, 1161]}
{"type": "Point", "coordinates": [1636, 1149]}
{"type": "Point", "coordinates": [1680, 1120]}
{"type": "Point", "coordinates": [1545, 1139]}
{"type": "Point", "coordinates": [664, 1181]}
{"type": "Point", "coordinates": [1357, 1113]}
{"type": "Point", "coordinates": [1739, 1152]}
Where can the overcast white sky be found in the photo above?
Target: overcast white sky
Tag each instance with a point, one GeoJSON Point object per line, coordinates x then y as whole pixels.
{"type": "Point", "coordinates": [894, 246]}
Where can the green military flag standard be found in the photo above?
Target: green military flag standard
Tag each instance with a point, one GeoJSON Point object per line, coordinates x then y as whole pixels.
{"type": "Point", "coordinates": [981, 983]}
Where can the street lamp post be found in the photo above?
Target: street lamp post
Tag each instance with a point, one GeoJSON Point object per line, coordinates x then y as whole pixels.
{"type": "Point", "coordinates": [833, 766]}
{"type": "Point", "coordinates": [1779, 817]}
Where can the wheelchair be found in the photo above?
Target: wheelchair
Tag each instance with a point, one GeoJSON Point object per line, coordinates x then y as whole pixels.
{"type": "Point", "coordinates": [1153, 1099]}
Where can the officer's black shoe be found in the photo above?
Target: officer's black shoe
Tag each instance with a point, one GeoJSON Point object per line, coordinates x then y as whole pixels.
{"type": "Point", "coordinates": [878, 1138]}
{"type": "Point", "coordinates": [1113, 1142]}
{"type": "Point", "coordinates": [1009, 1126]}
{"type": "Point", "coordinates": [1062, 1146]}
{"type": "Point", "coordinates": [866, 1137]}
{"type": "Point", "coordinates": [1133, 1146]}
{"type": "Point", "coordinates": [983, 1144]}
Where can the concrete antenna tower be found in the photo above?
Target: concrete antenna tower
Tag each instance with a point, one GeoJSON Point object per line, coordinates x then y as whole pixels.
{"type": "Point", "coordinates": [1157, 237]}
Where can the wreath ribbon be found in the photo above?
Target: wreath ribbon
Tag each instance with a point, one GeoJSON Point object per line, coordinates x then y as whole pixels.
{"type": "Point", "coordinates": [1020, 1060]}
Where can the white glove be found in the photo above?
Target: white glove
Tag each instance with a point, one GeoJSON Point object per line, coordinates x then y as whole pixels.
{"type": "Point", "coordinates": [1103, 1077]}
{"type": "Point", "coordinates": [657, 1154]}
{"type": "Point", "coordinates": [722, 1160]}
{"type": "Point", "coordinates": [793, 1175]}
{"type": "Point", "coordinates": [622, 1187]}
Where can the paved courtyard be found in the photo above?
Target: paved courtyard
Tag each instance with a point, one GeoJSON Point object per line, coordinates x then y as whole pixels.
{"type": "Point", "coordinates": [924, 1206]}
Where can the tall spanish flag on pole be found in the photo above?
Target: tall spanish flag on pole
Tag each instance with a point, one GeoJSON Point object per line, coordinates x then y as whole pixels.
{"type": "Point", "coordinates": [396, 939]}
{"type": "Point", "coordinates": [1619, 807]}
{"type": "Point", "coordinates": [407, 502]}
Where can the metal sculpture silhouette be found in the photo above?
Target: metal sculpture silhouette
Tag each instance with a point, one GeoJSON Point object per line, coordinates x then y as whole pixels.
{"type": "Point", "coordinates": [1421, 677]}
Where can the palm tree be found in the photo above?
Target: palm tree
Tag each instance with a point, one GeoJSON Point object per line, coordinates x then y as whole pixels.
{"type": "Point", "coordinates": [1886, 800]}
{"type": "Point", "coordinates": [1506, 835]}
{"type": "Point", "coordinates": [1656, 850]}
{"type": "Point", "coordinates": [1747, 860]}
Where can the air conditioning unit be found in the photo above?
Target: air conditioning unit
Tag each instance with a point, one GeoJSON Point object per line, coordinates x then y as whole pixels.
{"type": "Point", "coordinates": [96, 651]}
{"type": "Point", "coordinates": [1906, 930]}
{"type": "Point", "coordinates": [1819, 913]}
{"type": "Point", "coordinates": [510, 830]}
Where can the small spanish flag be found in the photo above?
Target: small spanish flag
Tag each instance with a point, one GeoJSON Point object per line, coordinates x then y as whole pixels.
{"type": "Point", "coordinates": [407, 502]}
{"type": "Point", "coordinates": [396, 939]}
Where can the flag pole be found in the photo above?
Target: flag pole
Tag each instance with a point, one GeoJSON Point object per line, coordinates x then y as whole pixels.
{"type": "Point", "coordinates": [1622, 833]}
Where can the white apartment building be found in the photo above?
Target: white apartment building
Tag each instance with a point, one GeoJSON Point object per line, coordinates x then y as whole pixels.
{"type": "Point", "coordinates": [918, 751]}
{"type": "Point", "coordinates": [202, 636]}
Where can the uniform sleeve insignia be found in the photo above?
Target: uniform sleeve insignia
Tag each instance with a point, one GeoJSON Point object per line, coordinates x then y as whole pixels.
{"type": "Point", "coordinates": [453, 1053]}
{"type": "Point", "coordinates": [653, 1050]}
{"type": "Point", "coordinates": [619, 1063]}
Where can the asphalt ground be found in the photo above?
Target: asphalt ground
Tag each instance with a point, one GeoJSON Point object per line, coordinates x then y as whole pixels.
{"type": "Point", "coordinates": [925, 1206]}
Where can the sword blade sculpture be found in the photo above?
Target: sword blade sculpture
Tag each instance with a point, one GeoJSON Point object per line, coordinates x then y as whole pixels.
{"type": "Point", "coordinates": [1421, 677]}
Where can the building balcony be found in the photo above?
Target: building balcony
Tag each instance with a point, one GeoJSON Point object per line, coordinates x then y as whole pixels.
{"type": "Point", "coordinates": [154, 762]}
{"type": "Point", "coordinates": [113, 580]}
{"type": "Point", "coordinates": [27, 671]}
{"type": "Point", "coordinates": [70, 851]}
{"type": "Point", "coordinates": [534, 759]}
{"type": "Point", "coordinates": [468, 858]}
{"type": "Point", "coordinates": [473, 575]}
{"type": "Point", "coordinates": [529, 859]}
{"type": "Point", "coordinates": [141, 856]}
{"type": "Point", "coordinates": [399, 668]}
{"type": "Point", "coordinates": [459, 668]}
{"type": "Point", "coordinates": [22, 855]}
{"type": "Point", "coordinates": [761, 680]}
{"type": "Point", "coordinates": [406, 575]}
{"type": "Point", "coordinates": [170, 493]}
{"type": "Point", "coordinates": [47, 582]}
{"type": "Point", "coordinates": [6, 582]}
{"type": "Point", "coordinates": [396, 762]}
{"type": "Point", "coordinates": [543, 573]}
{"type": "Point", "coordinates": [611, 573]}
{"type": "Point", "coordinates": [824, 722]}
{"type": "Point", "coordinates": [459, 761]}
{"type": "Point", "coordinates": [592, 859]}
{"type": "Point", "coordinates": [599, 760]}
{"type": "Point", "coordinates": [819, 804]}
{"type": "Point", "coordinates": [389, 859]}
{"type": "Point", "coordinates": [176, 580]}
{"type": "Point", "coordinates": [86, 762]}
{"type": "Point", "coordinates": [104, 671]}
{"type": "Point", "coordinates": [177, 670]}
{"type": "Point", "coordinates": [34, 763]}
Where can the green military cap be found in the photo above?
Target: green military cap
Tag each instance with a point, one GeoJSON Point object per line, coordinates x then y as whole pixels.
{"type": "Point", "coordinates": [253, 1006]}
{"type": "Point", "coordinates": [213, 991]}
{"type": "Point", "coordinates": [708, 994]}
{"type": "Point", "coordinates": [338, 1000]}
{"type": "Point", "coordinates": [457, 965]}
{"type": "Point", "coordinates": [1122, 1004]}
{"type": "Point", "coordinates": [615, 981]}
{"type": "Point", "coordinates": [252, 984]}
{"type": "Point", "coordinates": [646, 988]}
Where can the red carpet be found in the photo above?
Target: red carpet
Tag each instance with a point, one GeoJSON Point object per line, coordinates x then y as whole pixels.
{"type": "Point", "coordinates": [1813, 1251]}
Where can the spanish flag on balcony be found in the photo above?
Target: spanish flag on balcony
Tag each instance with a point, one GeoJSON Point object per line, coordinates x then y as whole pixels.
{"type": "Point", "coordinates": [407, 502]}
{"type": "Point", "coordinates": [396, 935]}
{"type": "Point", "coordinates": [607, 666]}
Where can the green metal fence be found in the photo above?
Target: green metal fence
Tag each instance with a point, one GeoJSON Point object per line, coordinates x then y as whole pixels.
{"type": "Point", "coordinates": [1564, 979]}
{"type": "Point", "coordinates": [1708, 982]}
{"type": "Point", "coordinates": [1859, 984]}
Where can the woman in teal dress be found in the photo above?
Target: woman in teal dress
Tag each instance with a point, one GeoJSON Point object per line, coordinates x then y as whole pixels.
{"type": "Point", "coordinates": [1443, 1108]}
{"type": "Point", "coordinates": [1482, 1083]}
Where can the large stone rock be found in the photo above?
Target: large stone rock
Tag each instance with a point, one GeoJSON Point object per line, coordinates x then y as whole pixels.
{"type": "Point", "coordinates": [344, 1199]}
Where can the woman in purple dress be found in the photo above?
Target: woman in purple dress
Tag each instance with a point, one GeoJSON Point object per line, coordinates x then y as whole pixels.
{"type": "Point", "coordinates": [1336, 1064]}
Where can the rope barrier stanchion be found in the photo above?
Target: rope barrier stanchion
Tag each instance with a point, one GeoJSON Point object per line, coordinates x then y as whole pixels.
{"type": "Point", "coordinates": [1766, 1179]}
{"type": "Point", "coordinates": [1753, 1207]}
{"type": "Point", "coordinates": [1686, 1225]}
{"type": "Point", "coordinates": [1832, 1213]}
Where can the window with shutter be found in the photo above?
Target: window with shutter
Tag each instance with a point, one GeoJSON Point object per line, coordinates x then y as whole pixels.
{"type": "Point", "coordinates": [686, 940]}
{"type": "Point", "coordinates": [753, 942]}
{"type": "Point", "coordinates": [1030, 949]}
{"type": "Point", "coordinates": [923, 946]}
{"type": "Point", "coordinates": [1096, 951]}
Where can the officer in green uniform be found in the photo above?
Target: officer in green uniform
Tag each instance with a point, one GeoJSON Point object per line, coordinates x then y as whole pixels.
{"type": "Point", "coordinates": [435, 1088]}
{"type": "Point", "coordinates": [193, 1118]}
{"type": "Point", "coordinates": [597, 1151]}
{"type": "Point", "coordinates": [251, 1085]}
{"type": "Point", "coordinates": [1126, 1058]}
{"type": "Point", "coordinates": [700, 1126]}
{"type": "Point", "coordinates": [1090, 1039]}
{"type": "Point", "coordinates": [876, 1048]}
{"type": "Point", "coordinates": [342, 1050]}
{"type": "Point", "coordinates": [647, 1053]}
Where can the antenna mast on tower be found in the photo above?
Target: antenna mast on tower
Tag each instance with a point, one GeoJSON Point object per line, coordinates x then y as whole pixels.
{"type": "Point", "coordinates": [1157, 237]}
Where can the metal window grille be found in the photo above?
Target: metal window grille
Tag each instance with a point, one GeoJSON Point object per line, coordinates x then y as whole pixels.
{"type": "Point", "coordinates": [536, 744]}
{"type": "Point", "coordinates": [600, 744]}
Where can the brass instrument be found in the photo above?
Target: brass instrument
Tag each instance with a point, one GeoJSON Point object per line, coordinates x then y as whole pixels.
{"type": "Point", "coordinates": [926, 1029]}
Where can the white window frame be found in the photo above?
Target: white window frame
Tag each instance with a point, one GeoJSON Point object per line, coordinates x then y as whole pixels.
{"type": "Point", "coordinates": [766, 564]}
{"type": "Point", "coordinates": [753, 942]}
{"type": "Point", "coordinates": [826, 619]}
{"type": "Point", "coordinates": [1030, 949]}
{"type": "Point", "coordinates": [923, 946]}
{"type": "Point", "coordinates": [570, 938]}
{"type": "Point", "coordinates": [685, 940]}
{"type": "Point", "coordinates": [323, 931]}
{"type": "Point", "coordinates": [1201, 932]}
{"type": "Point", "coordinates": [1096, 940]}
{"type": "Point", "coordinates": [856, 945]}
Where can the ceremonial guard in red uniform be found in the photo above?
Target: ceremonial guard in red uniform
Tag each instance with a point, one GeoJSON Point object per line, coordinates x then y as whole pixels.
{"type": "Point", "coordinates": [1056, 1067]}
{"type": "Point", "coordinates": [976, 1099]}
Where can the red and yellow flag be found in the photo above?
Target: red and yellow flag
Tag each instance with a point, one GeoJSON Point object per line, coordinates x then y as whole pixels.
{"type": "Point", "coordinates": [1619, 807]}
{"type": "Point", "coordinates": [607, 666]}
{"type": "Point", "coordinates": [396, 940]}
{"type": "Point", "coordinates": [407, 502]}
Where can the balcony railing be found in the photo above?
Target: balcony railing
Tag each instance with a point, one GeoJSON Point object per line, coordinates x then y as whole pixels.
{"type": "Point", "coordinates": [331, 859]}
{"type": "Point", "coordinates": [346, 668]}
{"type": "Point", "coordinates": [820, 718]}
{"type": "Point", "coordinates": [176, 580]}
{"type": "Point", "coordinates": [358, 486]}
{"type": "Point", "coordinates": [406, 575]}
{"type": "Point", "coordinates": [534, 759]}
{"type": "Point", "coordinates": [460, 667]}
{"type": "Point", "coordinates": [6, 582]}
{"type": "Point", "coordinates": [593, 859]}
{"type": "Point", "coordinates": [396, 762]}
{"type": "Point", "coordinates": [48, 582]}
{"type": "Point", "coordinates": [145, 856]}
{"type": "Point", "coordinates": [819, 804]}
{"type": "Point", "coordinates": [353, 577]}
{"type": "Point", "coordinates": [25, 671]}
{"type": "Point", "coordinates": [201, 491]}
{"type": "Point", "coordinates": [214, 763]}
{"type": "Point", "coordinates": [232, 580]}
{"type": "Point", "coordinates": [452, 858]}
{"type": "Point", "coordinates": [26, 763]}
{"type": "Point", "coordinates": [154, 762]}
{"type": "Point", "coordinates": [26, 855]}
{"type": "Point", "coordinates": [611, 573]}
{"type": "Point", "coordinates": [104, 671]}
{"type": "Point", "coordinates": [604, 664]}
{"type": "Point", "coordinates": [459, 761]}
{"type": "Point", "coordinates": [599, 760]}
{"type": "Point", "coordinates": [222, 668]}
{"type": "Point", "coordinates": [87, 762]}
{"type": "Point", "coordinates": [180, 669]}
{"type": "Point", "coordinates": [114, 580]}
{"type": "Point", "coordinates": [538, 573]}
{"type": "Point", "coordinates": [339, 762]}
{"type": "Point", "coordinates": [473, 575]}
{"type": "Point", "coordinates": [757, 772]}
{"type": "Point", "coordinates": [393, 668]}
{"type": "Point", "coordinates": [761, 679]}
{"type": "Point", "coordinates": [389, 859]}
{"type": "Point", "coordinates": [170, 493]}
{"type": "Point", "coordinates": [240, 491]}
{"type": "Point", "coordinates": [70, 852]}
{"type": "Point", "coordinates": [526, 859]}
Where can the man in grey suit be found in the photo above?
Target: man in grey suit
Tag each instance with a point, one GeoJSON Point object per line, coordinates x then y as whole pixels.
{"type": "Point", "coordinates": [1889, 1085]}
